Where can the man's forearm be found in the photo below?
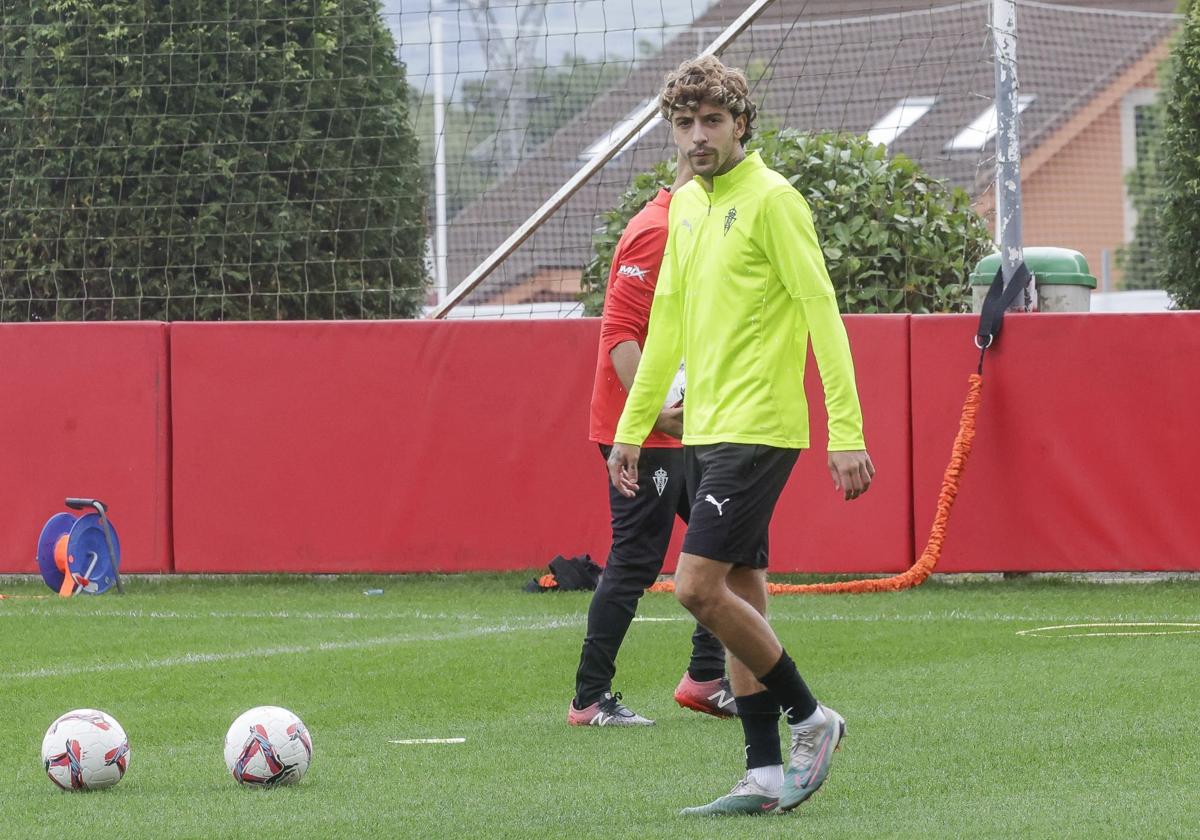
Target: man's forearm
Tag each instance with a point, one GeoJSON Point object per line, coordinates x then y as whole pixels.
{"type": "Point", "coordinates": [659, 363]}
{"type": "Point", "coordinates": [625, 358]}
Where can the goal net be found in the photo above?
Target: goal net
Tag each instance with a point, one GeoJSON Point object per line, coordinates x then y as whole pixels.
{"type": "Point", "coordinates": [283, 159]}
{"type": "Point", "coordinates": [917, 77]}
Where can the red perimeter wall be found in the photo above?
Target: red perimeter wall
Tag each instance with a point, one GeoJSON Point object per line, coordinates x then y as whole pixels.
{"type": "Point", "coordinates": [814, 529]}
{"type": "Point", "coordinates": [394, 447]}
{"type": "Point", "coordinates": [415, 446]}
{"type": "Point", "coordinates": [383, 447]}
{"type": "Point", "coordinates": [1086, 455]}
{"type": "Point", "coordinates": [85, 413]}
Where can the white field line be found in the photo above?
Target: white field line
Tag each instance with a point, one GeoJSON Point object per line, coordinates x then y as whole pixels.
{"type": "Point", "coordinates": [59, 614]}
{"type": "Point", "coordinates": [280, 650]}
{"type": "Point", "coordinates": [285, 614]}
{"type": "Point", "coordinates": [428, 741]}
{"type": "Point", "coordinates": [513, 625]}
{"type": "Point", "coordinates": [1124, 628]}
{"type": "Point", "coordinates": [11, 610]}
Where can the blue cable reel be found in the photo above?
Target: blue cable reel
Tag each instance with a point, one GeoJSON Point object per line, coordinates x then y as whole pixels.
{"type": "Point", "coordinates": [80, 554]}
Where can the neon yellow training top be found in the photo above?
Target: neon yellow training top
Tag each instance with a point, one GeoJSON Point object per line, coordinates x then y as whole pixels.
{"type": "Point", "coordinates": [742, 287]}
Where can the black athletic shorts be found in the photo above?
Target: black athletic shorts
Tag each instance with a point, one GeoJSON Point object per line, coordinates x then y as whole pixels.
{"type": "Point", "coordinates": [734, 489]}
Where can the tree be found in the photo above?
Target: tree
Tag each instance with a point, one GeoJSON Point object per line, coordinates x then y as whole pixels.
{"type": "Point", "coordinates": [1179, 220]}
{"type": "Point", "coordinates": [894, 239]}
{"type": "Point", "coordinates": [242, 159]}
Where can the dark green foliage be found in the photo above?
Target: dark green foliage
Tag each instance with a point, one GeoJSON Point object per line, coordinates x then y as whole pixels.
{"type": "Point", "coordinates": [895, 240]}
{"type": "Point", "coordinates": [1179, 219]}
{"type": "Point", "coordinates": [216, 159]}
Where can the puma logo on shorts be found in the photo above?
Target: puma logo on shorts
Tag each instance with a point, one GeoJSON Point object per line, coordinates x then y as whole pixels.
{"type": "Point", "coordinates": [719, 505]}
{"type": "Point", "coordinates": [751, 476]}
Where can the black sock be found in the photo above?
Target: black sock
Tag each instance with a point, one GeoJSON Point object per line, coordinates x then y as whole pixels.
{"type": "Point", "coordinates": [759, 714]}
{"type": "Point", "coordinates": [788, 688]}
{"type": "Point", "coordinates": [705, 675]}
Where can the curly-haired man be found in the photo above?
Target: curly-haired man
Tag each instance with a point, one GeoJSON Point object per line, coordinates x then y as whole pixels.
{"type": "Point", "coordinates": [743, 289]}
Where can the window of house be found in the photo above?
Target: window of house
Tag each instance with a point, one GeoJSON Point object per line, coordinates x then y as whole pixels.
{"type": "Point", "coordinates": [976, 136]}
{"type": "Point", "coordinates": [1138, 122]}
{"type": "Point", "coordinates": [901, 118]}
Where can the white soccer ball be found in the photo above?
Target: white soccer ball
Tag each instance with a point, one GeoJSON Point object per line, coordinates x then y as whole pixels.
{"type": "Point", "coordinates": [268, 746]}
{"type": "Point", "coordinates": [676, 391]}
{"type": "Point", "coordinates": [85, 749]}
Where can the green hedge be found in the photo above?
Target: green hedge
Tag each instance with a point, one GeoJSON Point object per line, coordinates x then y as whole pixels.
{"type": "Point", "coordinates": [1179, 168]}
{"type": "Point", "coordinates": [895, 239]}
{"type": "Point", "coordinates": [214, 159]}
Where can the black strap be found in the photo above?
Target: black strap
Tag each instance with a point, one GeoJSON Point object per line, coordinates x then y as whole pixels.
{"type": "Point", "coordinates": [997, 302]}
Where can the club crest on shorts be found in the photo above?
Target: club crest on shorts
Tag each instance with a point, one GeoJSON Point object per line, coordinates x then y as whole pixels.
{"type": "Point", "coordinates": [660, 480]}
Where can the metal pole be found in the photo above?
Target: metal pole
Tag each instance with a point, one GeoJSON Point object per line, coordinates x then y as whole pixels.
{"type": "Point", "coordinates": [439, 160]}
{"type": "Point", "coordinates": [585, 173]}
{"type": "Point", "coordinates": [1008, 149]}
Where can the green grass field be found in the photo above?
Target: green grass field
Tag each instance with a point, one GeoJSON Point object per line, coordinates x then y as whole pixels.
{"type": "Point", "coordinates": [958, 726]}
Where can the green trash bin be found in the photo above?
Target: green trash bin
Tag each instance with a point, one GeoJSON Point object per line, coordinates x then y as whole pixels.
{"type": "Point", "coordinates": [1064, 283]}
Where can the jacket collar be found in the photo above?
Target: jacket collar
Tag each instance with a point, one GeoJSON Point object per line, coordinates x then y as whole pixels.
{"type": "Point", "coordinates": [746, 168]}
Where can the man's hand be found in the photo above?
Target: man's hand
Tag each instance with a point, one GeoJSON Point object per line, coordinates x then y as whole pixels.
{"type": "Point", "coordinates": [670, 421]}
{"type": "Point", "coordinates": [852, 472]}
{"type": "Point", "coordinates": [623, 468]}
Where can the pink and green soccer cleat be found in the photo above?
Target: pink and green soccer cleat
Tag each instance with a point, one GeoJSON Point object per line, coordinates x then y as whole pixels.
{"type": "Point", "coordinates": [746, 799]}
{"type": "Point", "coordinates": [812, 750]}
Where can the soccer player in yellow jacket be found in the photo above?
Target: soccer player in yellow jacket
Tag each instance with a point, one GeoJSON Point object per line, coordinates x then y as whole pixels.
{"type": "Point", "coordinates": [742, 291]}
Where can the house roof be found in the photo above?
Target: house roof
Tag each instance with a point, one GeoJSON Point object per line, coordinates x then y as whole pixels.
{"type": "Point", "coordinates": [835, 65]}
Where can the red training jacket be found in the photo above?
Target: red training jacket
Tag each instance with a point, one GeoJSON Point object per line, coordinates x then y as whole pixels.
{"type": "Point", "coordinates": [631, 282]}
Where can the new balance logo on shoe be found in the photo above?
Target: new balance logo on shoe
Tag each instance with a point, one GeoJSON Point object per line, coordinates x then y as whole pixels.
{"type": "Point", "coordinates": [711, 697]}
{"type": "Point", "coordinates": [721, 698]}
{"type": "Point", "coordinates": [716, 504]}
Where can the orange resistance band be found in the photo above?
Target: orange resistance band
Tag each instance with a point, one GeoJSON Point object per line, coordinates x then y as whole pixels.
{"type": "Point", "coordinates": [923, 568]}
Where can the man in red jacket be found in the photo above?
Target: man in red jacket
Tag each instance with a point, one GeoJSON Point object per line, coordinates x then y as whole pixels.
{"type": "Point", "coordinates": [641, 524]}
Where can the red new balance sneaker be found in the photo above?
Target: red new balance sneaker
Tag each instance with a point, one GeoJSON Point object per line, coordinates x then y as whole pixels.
{"type": "Point", "coordinates": [712, 697]}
